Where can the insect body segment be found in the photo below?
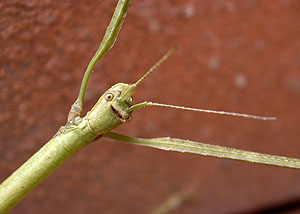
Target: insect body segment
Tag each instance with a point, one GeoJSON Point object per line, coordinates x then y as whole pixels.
{"type": "Point", "coordinates": [113, 107]}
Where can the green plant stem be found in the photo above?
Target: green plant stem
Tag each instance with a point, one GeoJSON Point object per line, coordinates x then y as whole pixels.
{"type": "Point", "coordinates": [179, 145]}
{"type": "Point", "coordinates": [107, 43]}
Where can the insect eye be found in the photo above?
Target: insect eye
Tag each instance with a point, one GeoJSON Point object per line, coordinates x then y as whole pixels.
{"type": "Point", "coordinates": [109, 96]}
{"type": "Point", "coordinates": [130, 100]}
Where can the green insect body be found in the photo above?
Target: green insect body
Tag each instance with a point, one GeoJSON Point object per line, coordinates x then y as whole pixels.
{"type": "Point", "coordinates": [111, 110]}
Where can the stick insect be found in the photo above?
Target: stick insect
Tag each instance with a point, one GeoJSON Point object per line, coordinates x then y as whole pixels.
{"type": "Point", "coordinates": [114, 108]}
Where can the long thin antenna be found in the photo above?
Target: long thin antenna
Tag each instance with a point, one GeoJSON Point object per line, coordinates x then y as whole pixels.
{"type": "Point", "coordinates": [144, 104]}
{"type": "Point", "coordinates": [130, 90]}
{"type": "Point", "coordinates": [156, 65]}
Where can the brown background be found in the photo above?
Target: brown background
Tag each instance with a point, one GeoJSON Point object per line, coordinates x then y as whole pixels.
{"type": "Point", "coordinates": [234, 55]}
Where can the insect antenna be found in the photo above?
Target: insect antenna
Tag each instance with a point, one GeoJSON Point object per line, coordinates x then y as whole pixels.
{"type": "Point", "coordinates": [154, 67]}
{"type": "Point", "coordinates": [147, 103]}
{"type": "Point", "coordinates": [144, 104]}
{"type": "Point", "coordinates": [130, 90]}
